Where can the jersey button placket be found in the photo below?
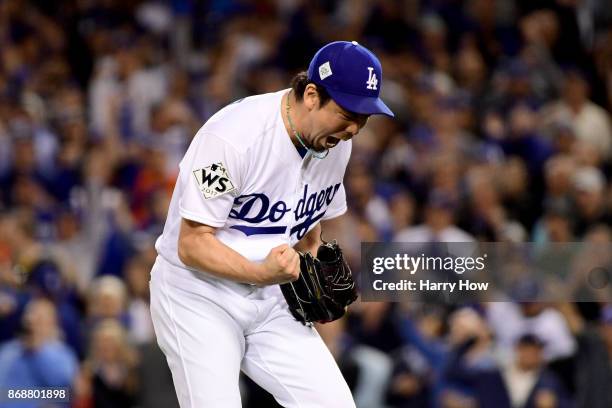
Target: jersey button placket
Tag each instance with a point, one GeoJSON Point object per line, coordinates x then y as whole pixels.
{"type": "Point", "coordinates": [297, 193]}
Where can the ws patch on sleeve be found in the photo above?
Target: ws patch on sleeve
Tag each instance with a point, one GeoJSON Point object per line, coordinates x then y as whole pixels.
{"type": "Point", "coordinates": [213, 181]}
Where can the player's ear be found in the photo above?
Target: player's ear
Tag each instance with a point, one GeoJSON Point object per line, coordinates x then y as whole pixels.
{"type": "Point", "coordinates": [311, 97]}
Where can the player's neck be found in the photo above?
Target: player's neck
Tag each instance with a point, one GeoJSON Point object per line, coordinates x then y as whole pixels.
{"type": "Point", "coordinates": [291, 114]}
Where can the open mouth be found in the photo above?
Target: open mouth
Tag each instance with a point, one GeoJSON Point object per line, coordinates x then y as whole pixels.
{"type": "Point", "coordinates": [331, 141]}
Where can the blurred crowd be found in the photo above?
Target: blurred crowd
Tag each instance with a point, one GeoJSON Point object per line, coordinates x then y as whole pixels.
{"type": "Point", "coordinates": [502, 133]}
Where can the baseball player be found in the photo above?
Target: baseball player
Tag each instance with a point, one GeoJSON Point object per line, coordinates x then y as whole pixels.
{"type": "Point", "coordinates": [254, 185]}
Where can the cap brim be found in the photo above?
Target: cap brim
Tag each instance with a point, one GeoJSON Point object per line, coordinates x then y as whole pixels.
{"type": "Point", "coordinates": [360, 104]}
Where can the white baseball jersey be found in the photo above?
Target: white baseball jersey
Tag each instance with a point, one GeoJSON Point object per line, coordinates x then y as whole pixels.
{"type": "Point", "coordinates": [243, 175]}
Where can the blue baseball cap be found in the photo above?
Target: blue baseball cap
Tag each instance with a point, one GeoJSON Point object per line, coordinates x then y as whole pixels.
{"type": "Point", "coordinates": [352, 76]}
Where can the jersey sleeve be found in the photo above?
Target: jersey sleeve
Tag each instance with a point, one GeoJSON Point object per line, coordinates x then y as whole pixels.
{"type": "Point", "coordinates": [338, 205]}
{"type": "Point", "coordinates": [211, 174]}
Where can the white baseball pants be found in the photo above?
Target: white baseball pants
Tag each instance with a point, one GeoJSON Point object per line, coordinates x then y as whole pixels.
{"type": "Point", "coordinates": [211, 329]}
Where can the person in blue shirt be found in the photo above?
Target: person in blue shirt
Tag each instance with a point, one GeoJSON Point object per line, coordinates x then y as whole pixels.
{"type": "Point", "coordinates": [38, 358]}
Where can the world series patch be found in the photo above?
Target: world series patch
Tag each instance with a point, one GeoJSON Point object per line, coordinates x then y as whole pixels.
{"type": "Point", "coordinates": [213, 181]}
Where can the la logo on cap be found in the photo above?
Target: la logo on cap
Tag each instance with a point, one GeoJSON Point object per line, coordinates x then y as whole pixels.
{"type": "Point", "coordinates": [372, 81]}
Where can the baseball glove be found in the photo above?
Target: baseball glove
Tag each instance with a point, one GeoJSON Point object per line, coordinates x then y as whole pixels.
{"type": "Point", "coordinates": [325, 286]}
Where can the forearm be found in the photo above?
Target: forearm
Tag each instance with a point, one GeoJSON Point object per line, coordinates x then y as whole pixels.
{"type": "Point", "coordinates": [310, 242]}
{"type": "Point", "coordinates": [206, 253]}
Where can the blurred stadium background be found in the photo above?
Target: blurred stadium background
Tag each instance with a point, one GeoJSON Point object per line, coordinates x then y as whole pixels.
{"type": "Point", "coordinates": [503, 133]}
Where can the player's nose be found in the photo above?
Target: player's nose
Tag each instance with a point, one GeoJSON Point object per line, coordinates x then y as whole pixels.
{"type": "Point", "coordinates": [355, 126]}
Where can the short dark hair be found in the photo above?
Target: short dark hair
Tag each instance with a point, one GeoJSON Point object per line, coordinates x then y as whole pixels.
{"type": "Point", "coordinates": [299, 83]}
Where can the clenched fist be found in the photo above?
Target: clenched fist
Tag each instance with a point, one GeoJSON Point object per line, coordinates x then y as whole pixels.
{"type": "Point", "coordinates": [280, 266]}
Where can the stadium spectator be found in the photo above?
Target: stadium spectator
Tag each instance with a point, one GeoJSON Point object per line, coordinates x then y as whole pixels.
{"type": "Point", "coordinates": [137, 278]}
{"type": "Point", "coordinates": [107, 300]}
{"type": "Point", "coordinates": [522, 382]}
{"type": "Point", "coordinates": [590, 122]}
{"type": "Point", "coordinates": [108, 377]}
{"type": "Point", "coordinates": [37, 358]}
{"type": "Point", "coordinates": [438, 223]}
{"type": "Point", "coordinates": [509, 321]}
